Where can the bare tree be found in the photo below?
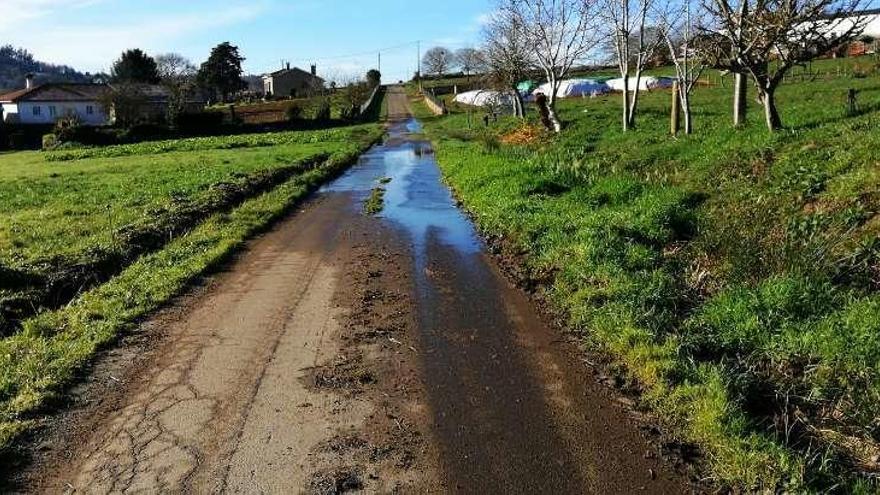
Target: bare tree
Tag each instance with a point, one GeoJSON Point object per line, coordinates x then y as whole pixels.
{"type": "Point", "coordinates": [634, 43]}
{"type": "Point", "coordinates": [438, 61]}
{"type": "Point", "coordinates": [471, 61]}
{"type": "Point", "coordinates": [178, 75]}
{"type": "Point", "coordinates": [508, 56]}
{"type": "Point", "coordinates": [679, 28]}
{"type": "Point", "coordinates": [561, 34]}
{"type": "Point", "coordinates": [750, 34]}
{"type": "Point", "coordinates": [174, 67]}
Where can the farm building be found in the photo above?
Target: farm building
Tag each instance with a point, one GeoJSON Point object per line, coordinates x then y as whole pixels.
{"type": "Point", "coordinates": [44, 104]}
{"type": "Point", "coordinates": [293, 82]}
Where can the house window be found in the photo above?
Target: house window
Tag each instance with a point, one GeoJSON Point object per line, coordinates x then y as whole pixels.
{"type": "Point", "coordinates": [52, 111]}
{"type": "Point", "coordinates": [37, 111]}
{"type": "Point", "coordinates": [90, 110]}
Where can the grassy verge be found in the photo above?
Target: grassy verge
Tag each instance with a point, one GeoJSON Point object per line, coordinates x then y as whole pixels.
{"type": "Point", "coordinates": [67, 227]}
{"type": "Point", "coordinates": [203, 144]}
{"type": "Point", "coordinates": [734, 274]}
{"type": "Point", "coordinates": [37, 362]}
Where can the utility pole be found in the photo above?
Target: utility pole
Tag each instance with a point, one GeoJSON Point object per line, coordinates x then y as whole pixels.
{"type": "Point", "coordinates": [380, 63]}
{"type": "Point", "coordinates": [419, 61]}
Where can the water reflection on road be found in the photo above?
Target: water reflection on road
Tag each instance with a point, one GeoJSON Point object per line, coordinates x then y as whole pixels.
{"type": "Point", "coordinates": [415, 198]}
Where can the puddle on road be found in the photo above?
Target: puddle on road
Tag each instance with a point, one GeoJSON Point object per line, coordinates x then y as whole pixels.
{"type": "Point", "coordinates": [416, 198]}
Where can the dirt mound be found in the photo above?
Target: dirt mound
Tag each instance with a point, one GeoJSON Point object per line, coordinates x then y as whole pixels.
{"type": "Point", "coordinates": [526, 134]}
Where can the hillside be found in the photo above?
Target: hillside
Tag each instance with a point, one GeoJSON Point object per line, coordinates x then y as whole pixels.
{"type": "Point", "coordinates": [15, 63]}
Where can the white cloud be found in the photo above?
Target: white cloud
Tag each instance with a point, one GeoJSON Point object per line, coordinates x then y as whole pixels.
{"type": "Point", "coordinates": [16, 11]}
{"type": "Point", "coordinates": [94, 47]}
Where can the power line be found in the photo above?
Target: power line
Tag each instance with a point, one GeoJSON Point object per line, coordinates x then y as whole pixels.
{"type": "Point", "coordinates": [365, 53]}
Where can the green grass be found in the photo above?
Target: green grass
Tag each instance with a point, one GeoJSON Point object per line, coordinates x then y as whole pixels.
{"type": "Point", "coordinates": [733, 273]}
{"type": "Point", "coordinates": [39, 360]}
{"type": "Point", "coordinates": [203, 144]}
{"type": "Point", "coordinates": [376, 202]}
{"type": "Point", "coordinates": [70, 226]}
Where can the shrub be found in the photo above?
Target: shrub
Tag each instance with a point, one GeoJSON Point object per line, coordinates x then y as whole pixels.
{"type": "Point", "coordinates": [293, 113]}
{"type": "Point", "coordinates": [350, 112]}
{"type": "Point", "coordinates": [50, 142]}
{"type": "Point", "coordinates": [66, 129]}
{"type": "Point", "coordinates": [322, 111]}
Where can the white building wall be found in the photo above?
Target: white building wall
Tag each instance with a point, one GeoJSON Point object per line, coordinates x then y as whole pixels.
{"type": "Point", "coordinates": [10, 112]}
{"type": "Point", "coordinates": [25, 114]}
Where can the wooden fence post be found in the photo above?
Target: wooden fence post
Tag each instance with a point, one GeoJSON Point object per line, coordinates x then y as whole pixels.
{"type": "Point", "coordinates": [852, 107]}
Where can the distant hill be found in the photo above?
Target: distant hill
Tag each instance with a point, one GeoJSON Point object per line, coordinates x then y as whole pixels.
{"type": "Point", "coordinates": [15, 63]}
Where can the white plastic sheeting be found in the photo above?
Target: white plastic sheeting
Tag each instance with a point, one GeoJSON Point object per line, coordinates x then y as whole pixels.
{"type": "Point", "coordinates": [484, 97]}
{"type": "Point", "coordinates": [645, 83]}
{"type": "Point", "coordinates": [574, 88]}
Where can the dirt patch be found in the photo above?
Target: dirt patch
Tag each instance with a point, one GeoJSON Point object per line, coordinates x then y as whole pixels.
{"type": "Point", "coordinates": [377, 363]}
{"type": "Point", "coordinates": [525, 134]}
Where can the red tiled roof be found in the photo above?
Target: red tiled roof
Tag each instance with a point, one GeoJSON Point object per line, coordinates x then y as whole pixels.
{"type": "Point", "coordinates": [56, 92]}
{"type": "Point", "coordinates": [9, 97]}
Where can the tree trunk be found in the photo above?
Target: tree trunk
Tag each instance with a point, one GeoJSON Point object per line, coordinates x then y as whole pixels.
{"type": "Point", "coordinates": [771, 115]}
{"type": "Point", "coordinates": [551, 106]}
{"type": "Point", "coordinates": [554, 118]}
{"type": "Point", "coordinates": [740, 103]}
{"type": "Point", "coordinates": [634, 101]}
{"type": "Point", "coordinates": [518, 106]}
{"type": "Point", "coordinates": [676, 109]}
{"type": "Point", "coordinates": [633, 105]}
{"type": "Point", "coordinates": [625, 103]}
{"type": "Point", "coordinates": [686, 111]}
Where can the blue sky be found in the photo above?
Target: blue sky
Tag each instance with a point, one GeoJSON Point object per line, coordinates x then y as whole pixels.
{"type": "Point", "coordinates": [341, 36]}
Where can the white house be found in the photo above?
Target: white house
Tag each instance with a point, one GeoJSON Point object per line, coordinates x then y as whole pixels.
{"type": "Point", "coordinates": [47, 103]}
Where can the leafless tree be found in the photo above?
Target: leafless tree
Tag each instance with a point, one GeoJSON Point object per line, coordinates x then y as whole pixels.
{"type": "Point", "coordinates": [173, 67]}
{"type": "Point", "coordinates": [470, 61]}
{"type": "Point", "coordinates": [178, 75]}
{"type": "Point", "coordinates": [750, 34]}
{"type": "Point", "coordinates": [126, 104]}
{"type": "Point", "coordinates": [438, 61]}
{"type": "Point", "coordinates": [560, 32]}
{"type": "Point", "coordinates": [679, 28]}
{"type": "Point", "coordinates": [634, 45]}
{"type": "Point", "coordinates": [508, 56]}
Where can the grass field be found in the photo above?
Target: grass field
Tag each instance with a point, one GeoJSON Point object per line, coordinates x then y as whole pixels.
{"type": "Point", "coordinates": [733, 274]}
{"type": "Point", "coordinates": [92, 241]}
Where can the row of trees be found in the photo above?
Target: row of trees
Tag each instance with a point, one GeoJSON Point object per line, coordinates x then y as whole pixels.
{"type": "Point", "coordinates": [439, 61]}
{"type": "Point", "coordinates": [756, 40]}
{"type": "Point", "coordinates": [219, 77]}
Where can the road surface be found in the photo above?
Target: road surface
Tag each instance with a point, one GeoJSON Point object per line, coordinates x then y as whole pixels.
{"type": "Point", "coordinates": [344, 352]}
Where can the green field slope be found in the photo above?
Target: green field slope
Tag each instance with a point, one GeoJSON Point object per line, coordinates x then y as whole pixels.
{"type": "Point", "coordinates": [733, 273]}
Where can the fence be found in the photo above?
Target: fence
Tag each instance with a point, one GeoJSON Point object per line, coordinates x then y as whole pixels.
{"type": "Point", "coordinates": [434, 104]}
{"type": "Point", "coordinates": [369, 103]}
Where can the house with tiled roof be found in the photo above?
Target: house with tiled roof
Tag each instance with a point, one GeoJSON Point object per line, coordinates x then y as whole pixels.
{"type": "Point", "coordinates": [46, 103]}
{"type": "Point", "coordinates": [293, 82]}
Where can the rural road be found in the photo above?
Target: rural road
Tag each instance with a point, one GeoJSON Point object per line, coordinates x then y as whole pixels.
{"type": "Point", "coordinates": [344, 352]}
